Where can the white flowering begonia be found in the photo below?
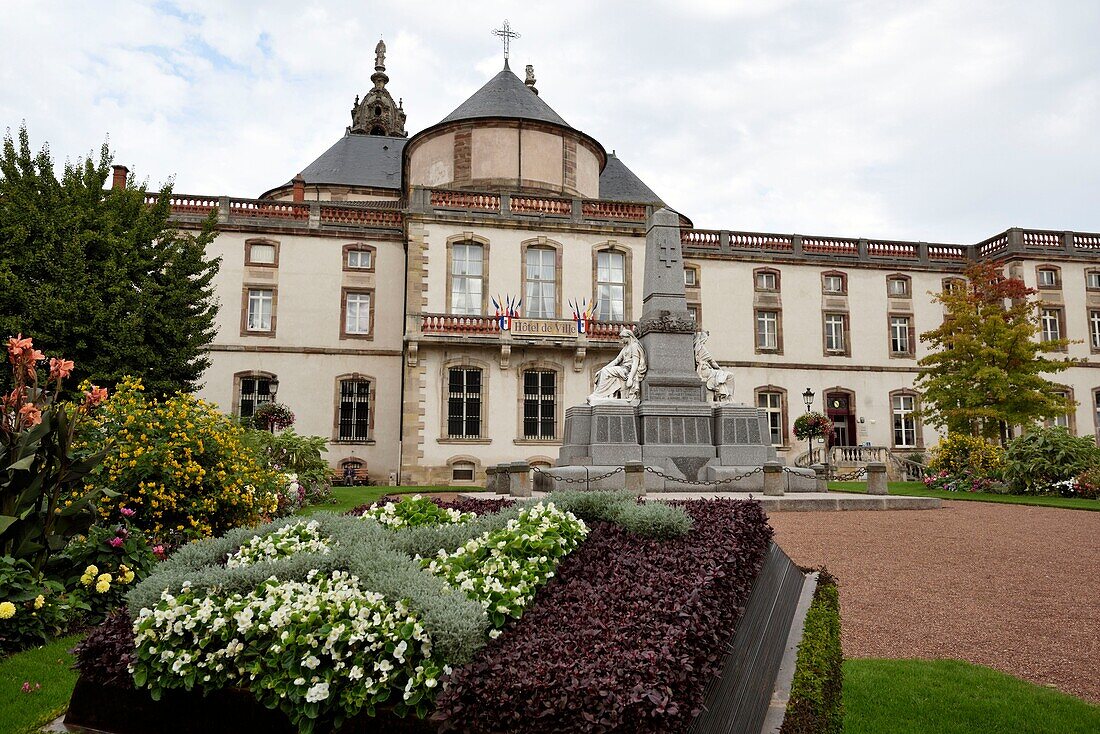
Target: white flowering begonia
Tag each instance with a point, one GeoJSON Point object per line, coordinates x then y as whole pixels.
{"type": "Point", "coordinates": [415, 511]}
{"type": "Point", "coordinates": [301, 537]}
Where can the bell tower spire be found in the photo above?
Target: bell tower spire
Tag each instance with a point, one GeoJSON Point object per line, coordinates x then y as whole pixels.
{"type": "Point", "coordinates": [377, 114]}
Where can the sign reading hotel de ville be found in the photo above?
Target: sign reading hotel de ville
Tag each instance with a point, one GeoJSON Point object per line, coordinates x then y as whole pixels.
{"type": "Point", "coordinates": [544, 327]}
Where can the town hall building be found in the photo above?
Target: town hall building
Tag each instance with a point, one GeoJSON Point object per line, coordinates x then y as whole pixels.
{"type": "Point", "coordinates": [433, 303]}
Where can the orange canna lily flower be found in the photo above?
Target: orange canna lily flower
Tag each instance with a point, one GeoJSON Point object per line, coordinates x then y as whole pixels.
{"type": "Point", "coordinates": [17, 344]}
{"type": "Point", "coordinates": [30, 415]}
{"type": "Point", "coordinates": [60, 368]}
{"type": "Point", "coordinates": [95, 396]}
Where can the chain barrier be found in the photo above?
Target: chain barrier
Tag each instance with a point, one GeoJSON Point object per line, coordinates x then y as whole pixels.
{"type": "Point", "coordinates": [578, 480]}
{"type": "Point", "coordinates": [850, 476]}
{"type": "Point", "coordinates": [704, 482]}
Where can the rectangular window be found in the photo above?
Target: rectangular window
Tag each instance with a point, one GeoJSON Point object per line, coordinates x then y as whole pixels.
{"type": "Point", "coordinates": [467, 269]}
{"type": "Point", "coordinates": [464, 402]}
{"type": "Point", "coordinates": [539, 404]}
{"type": "Point", "coordinates": [1092, 280]}
{"type": "Point", "coordinates": [693, 312]}
{"type": "Point", "coordinates": [900, 327]}
{"type": "Point", "coordinates": [354, 423]}
{"type": "Point", "coordinates": [1050, 324]}
{"type": "Point", "coordinates": [767, 281]}
{"type": "Point", "coordinates": [689, 277]}
{"type": "Point", "coordinates": [772, 404]}
{"type": "Point", "coordinates": [357, 313]}
{"type": "Point", "coordinates": [833, 283]}
{"type": "Point", "coordinates": [1048, 278]}
{"type": "Point", "coordinates": [360, 259]}
{"type": "Point", "coordinates": [261, 254]}
{"type": "Point", "coordinates": [835, 324]}
{"type": "Point", "coordinates": [767, 329]}
{"type": "Point", "coordinates": [905, 425]}
{"type": "Point", "coordinates": [898, 287]}
{"type": "Point", "coordinates": [260, 306]}
{"type": "Point", "coordinates": [254, 391]}
{"type": "Point", "coordinates": [540, 293]}
{"type": "Point", "coordinates": [1094, 328]}
{"type": "Point", "coordinates": [611, 286]}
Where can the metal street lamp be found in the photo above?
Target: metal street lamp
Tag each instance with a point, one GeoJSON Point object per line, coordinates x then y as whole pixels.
{"type": "Point", "coordinates": [272, 391]}
{"type": "Point", "coordinates": [808, 398]}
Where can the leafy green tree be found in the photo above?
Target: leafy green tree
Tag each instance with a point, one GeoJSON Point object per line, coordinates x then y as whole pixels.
{"type": "Point", "coordinates": [100, 275]}
{"type": "Point", "coordinates": [985, 372]}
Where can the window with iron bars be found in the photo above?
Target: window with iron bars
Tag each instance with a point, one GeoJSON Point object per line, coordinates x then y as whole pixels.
{"type": "Point", "coordinates": [354, 423]}
{"type": "Point", "coordinates": [464, 402]}
{"type": "Point", "coordinates": [539, 404]}
{"type": "Point", "coordinates": [254, 392]}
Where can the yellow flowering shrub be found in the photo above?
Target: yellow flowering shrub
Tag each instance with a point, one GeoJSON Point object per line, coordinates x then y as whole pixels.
{"type": "Point", "coordinates": [959, 453]}
{"type": "Point", "coordinates": [180, 463]}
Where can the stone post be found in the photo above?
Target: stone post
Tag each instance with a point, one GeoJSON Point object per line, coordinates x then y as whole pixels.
{"type": "Point", "coordinates": [519, 479]}
{"type": "Point", "coordinates": [822, 478]}
{"type": "Point", "coordinates": [876, 478]}
{"type": "Point", "coordinates": [773, 478]}
{"type": "Point", "coordinates": [493, 476]}
{"type": "Point", "coordinates": [635, 477]}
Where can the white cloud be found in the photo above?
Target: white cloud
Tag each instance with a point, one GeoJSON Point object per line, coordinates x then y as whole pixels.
{"type": "Point", "coordinates": [936, 120]}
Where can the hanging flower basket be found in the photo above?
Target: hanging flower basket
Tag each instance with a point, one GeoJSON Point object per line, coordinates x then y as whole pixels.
{"type": "Point", "coordinates": [273, 417]}
{"type": "Point", "coordinates": [813, 425]}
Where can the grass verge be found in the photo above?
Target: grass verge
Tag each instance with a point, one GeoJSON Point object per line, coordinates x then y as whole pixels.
{"type": "Point", "coordinates": [50, 667]}
{"type": "Point", "coordinates": [917, 489]}
{"type": "Point", "coordinates": [953, 697]}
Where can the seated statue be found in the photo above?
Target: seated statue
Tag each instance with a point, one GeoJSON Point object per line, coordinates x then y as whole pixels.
{"type": "Point", "coordinates": [621, 378]}
{"type": "Point", "coordinates": [718, 381]}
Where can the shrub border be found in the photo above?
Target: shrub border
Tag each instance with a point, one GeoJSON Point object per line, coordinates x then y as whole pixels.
{"type": "Point", "coordinates": [816, 704]}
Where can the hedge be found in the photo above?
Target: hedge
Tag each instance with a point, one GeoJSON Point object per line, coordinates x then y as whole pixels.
{"type": "Point", "coordinates": [625, 637]}
{"type": "Point", "coordinates": [816, 704]}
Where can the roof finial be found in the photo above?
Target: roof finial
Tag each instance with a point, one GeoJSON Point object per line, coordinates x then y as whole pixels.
{"type": "Point", "coordinates": [530, 81]}
{"type": "Point", "coordinates": [506, 34]}
{"type": "Point", "coordinates": [380, 56]}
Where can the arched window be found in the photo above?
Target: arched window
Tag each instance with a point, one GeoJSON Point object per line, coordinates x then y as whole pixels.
{"type": "Point", "coordinates": [834, 283]}
{"type": "Point", "coordinates": [612, 284]}
{"type": "Point", "coordinates": [773, 401]}
{"type": "Point", "coordinates": [540, 281]}
{"type": "Point", "coordinates": [540, 403]}
{"type": "Point", "coordinates": [465, 401]}
{"type": "Point", "coordinates": [906, 430]}
{"type": "Point", "coordinates": [1048, 276]}
{"type": "Point", "coordinates": [766, 280]}
{"type": "Point", "coordinates": [467, 272]}
{"type": "Point", "coordinates": [354, 408]}
{"type": "Point", "coordinates": [252, 389]}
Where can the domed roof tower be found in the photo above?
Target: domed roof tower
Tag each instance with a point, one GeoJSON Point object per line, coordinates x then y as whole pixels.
{"type": "Point", "coordinates": [505, 137]}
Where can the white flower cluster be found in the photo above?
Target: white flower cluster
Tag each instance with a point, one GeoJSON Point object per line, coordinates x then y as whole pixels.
{"type": "Point", "coordinates": [301, 537]}
{"type": "Point", "coordinates": [504, 568]}
{"type": "Point", "coordinates": [415, 511]}
{"type": "Point", "coordinates": [323, 641]}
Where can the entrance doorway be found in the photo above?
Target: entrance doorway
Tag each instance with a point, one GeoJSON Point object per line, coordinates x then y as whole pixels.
{"type": "Point", "coordinates": [839, 406]}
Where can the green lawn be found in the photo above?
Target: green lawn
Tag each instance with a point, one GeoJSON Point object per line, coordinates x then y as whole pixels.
{"type": "Point", "coordinates": [953, 697]}
{"type": "Point", "coordinates": [50, 667]}
{"type": "Point", "coordinates": [917, 489]}
{"type": "Point", "coordinates": [348, 497]}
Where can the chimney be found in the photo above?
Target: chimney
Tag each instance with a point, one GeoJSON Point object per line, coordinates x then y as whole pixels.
{"type": "Point", "coordinates": [299, 188]}
{"type": "Point", "coordinates": [118, 179]}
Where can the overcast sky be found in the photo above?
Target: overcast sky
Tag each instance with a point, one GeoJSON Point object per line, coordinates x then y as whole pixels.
{"type": "Point", "coordinates": [942, 121]}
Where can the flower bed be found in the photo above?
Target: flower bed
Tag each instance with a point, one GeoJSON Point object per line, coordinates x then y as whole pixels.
{"type": "Point", "coordinates": [624, 638]}
{"type": "Point", "coordinates": [599, 606]}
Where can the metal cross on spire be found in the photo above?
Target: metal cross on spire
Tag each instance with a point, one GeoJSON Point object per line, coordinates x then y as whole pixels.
{"type": "Point", "coordinates": [506, 34]}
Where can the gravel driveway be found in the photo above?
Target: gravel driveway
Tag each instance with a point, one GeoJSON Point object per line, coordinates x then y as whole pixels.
{"type": "Point", "coordinates": [1015, 588]}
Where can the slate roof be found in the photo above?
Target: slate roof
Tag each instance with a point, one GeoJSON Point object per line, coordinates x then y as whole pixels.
{"type": "Point", "coordinates": [505, 95]}
{"type": "Point", "coordinates": [619, 183]}
{"type": "Point", "coordinates": [359, 160]}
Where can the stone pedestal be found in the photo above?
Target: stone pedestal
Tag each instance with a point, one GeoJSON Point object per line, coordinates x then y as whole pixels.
{"type": "Point", "coordinates": [876, 478]}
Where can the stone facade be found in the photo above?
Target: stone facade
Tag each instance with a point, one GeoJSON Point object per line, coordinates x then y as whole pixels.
{"type": "Point", "coordinates": [450, 393]}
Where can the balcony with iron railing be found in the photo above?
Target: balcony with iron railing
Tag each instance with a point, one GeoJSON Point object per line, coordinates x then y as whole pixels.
{"type": "Point", "coordinates": [486, 329]}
